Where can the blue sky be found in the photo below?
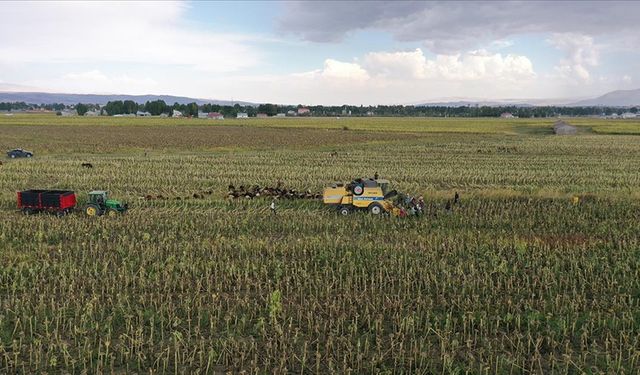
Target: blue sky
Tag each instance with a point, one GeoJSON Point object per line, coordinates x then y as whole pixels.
{"type": "Point", "coordinates": [322, 52]}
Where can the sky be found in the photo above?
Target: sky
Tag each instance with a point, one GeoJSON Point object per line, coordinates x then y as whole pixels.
{"type": "Point", "coordinates": [331, 53]}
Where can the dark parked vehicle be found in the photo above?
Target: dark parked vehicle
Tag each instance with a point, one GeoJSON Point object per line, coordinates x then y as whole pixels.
{"type": "Point", "coordinates": [19, 153]}
{"type": "Point", "coordinates": [60, 202]}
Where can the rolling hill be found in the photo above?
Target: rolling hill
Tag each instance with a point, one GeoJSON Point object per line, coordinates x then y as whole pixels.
{"type": "Point", "coordinates": [619, 98]}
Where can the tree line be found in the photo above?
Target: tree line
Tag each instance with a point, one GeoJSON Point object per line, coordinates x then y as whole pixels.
{"type": "Point", "coordinates": [22, 106]}
{"type": "Point", "coordinates": [192, 109]}
{"type": "Point", "coordinates": [158, 107]}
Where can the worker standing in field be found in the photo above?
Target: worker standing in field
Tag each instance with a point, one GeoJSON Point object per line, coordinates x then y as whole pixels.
{"type": "Point", "coordinates": [272, 206]}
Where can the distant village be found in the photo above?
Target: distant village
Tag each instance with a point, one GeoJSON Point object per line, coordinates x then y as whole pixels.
{"type": "Point", "coordinates": [202, 115]}
{"type": "Point", "coordinates": [614, 115]}
{"type": "Point", "coordinates": [211, 111]}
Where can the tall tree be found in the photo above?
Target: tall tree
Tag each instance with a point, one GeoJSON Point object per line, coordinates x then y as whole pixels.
{"type": "Point", "coordinates": [81, 109]}
{"type": "Point", "coordinates": [192, 109]}
{"type": "Point", "coordinates": [129, 106]}
{"type": "Point", "coordinates": [268, 108]}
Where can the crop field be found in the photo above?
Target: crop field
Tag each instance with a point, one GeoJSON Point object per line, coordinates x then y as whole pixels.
{"type": "Point", "coordinates": [517, 278]}
{"type": "Point", "coordinates": [379, 124]}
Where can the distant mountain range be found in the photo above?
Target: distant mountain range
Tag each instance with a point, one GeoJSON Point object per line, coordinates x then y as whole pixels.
{"type": "Point", "coordinates": [478, 103]}
{"type": "Point", "coordinates": [49, 98]}
{"type": "Point", "coordinates": [619, 98]}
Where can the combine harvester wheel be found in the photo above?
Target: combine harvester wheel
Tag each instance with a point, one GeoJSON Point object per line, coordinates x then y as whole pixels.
{"type": "Point", "coordinates": [375, 209]}
{"type": "Point", "coordinates": [344, 211]}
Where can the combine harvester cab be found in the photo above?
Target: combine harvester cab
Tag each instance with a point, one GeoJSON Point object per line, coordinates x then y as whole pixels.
{"type": "Point", "coordinates": [61, 202]}
{"type": "Point", "coordinates": [361, 194]}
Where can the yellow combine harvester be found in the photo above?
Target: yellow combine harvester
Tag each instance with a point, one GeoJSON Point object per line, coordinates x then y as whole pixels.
{"type": "Point", "coordinates": [361, 194]}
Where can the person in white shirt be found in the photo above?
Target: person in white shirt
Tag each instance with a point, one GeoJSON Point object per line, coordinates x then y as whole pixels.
{"type": "Point", "coordinates": [272, 206]}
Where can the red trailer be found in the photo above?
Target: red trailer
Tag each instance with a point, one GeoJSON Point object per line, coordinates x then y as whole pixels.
{"type": "Point", "coordinates": [59, 201]}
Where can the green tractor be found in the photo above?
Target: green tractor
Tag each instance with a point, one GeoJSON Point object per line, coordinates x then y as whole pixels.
{"type": "Point", "coordinates": [99, 205]}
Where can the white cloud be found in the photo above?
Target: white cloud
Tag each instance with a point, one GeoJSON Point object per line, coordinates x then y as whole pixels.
{"type": "Point", "coordinates": [406, 76]}
{"type": "Point", "coordinates": [411, 64]}
{"type": "Point", "coordinates": [336, 71]}
{"type": "Point", "coordinates": [343, 70]}
{"type": "Point", "coordinates": [116, 32]}
{"type": "Point", "coordinates": [581, 54]}
{"type": "Point", "coordinates": [474, 65]}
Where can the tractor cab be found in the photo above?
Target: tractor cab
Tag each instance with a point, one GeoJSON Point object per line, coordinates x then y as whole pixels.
{"type": "Point", "coordinates": [100, 204]}
{"type": "Point", "coordinates": [98, 196]}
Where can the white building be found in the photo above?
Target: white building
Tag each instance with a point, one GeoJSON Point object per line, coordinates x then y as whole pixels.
{"type": "Point", "coordinates": [629, 115]}
{"type": "Point", "coordinates": [143, 114]}
{"type": "Point", "coordinates": [67, 112]}
{"type": "Point", "coordinates": [242, 115]}
{"type": "Point", "coordinates": [176, 113]}
{"type": "Point", "coordinates": [203, 114]}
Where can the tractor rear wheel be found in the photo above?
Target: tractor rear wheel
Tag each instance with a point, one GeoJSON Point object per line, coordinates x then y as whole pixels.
{"type": "Point", "coordinates": [92, 210]}
{"type": "Point", "coordinates": [344, 210]}
{"type": "Point", "coordinates": [375, 209]}
{"type": "Point", "coordinates": [112, 213]}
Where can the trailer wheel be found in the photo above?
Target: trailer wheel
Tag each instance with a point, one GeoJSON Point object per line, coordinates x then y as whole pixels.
{"type": "Point", "coordinates": [112, 213]}
{"type": "Point", "coordinates": [375, 209]}
{"type": "Point", "coordinates": [27, 211]}
{"type": "Point", "coordinates": [344, 211]}
{"type": "Point", "coordinates": [13, 156]}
